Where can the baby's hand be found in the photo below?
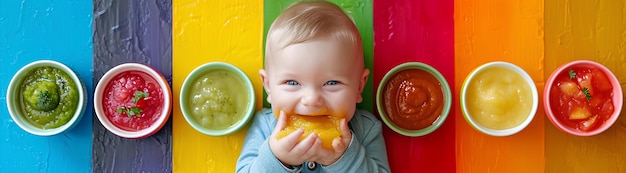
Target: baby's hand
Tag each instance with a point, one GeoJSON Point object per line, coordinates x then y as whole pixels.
{"type": "Point", "coordinates": [340, 144]}
{"type": "Point", "coordinates": [288, 150]}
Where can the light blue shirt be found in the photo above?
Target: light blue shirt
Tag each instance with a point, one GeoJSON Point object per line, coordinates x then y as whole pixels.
{"type": "Point", "coordinates": [366, 152]}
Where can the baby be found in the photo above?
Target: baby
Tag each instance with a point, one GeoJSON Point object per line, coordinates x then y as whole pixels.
{"type": "Point", "coordinates": [314, 67]}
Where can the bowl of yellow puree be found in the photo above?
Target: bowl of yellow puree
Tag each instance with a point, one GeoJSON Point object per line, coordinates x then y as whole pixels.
{"type": "Point", "coordinates": [499, 99]}
{"type": "Point", "coordinates": [46, 98]}
{"type": "Point", "coordinates": [217, 99]}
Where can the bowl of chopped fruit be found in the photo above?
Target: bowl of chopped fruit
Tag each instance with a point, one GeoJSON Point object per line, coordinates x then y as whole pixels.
{"type": "Point", "coordinates": [133, 100]}
{"type": "Point", "coordinates": [583, 98]}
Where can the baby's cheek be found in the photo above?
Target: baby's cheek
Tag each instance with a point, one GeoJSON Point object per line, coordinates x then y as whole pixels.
{"type": "Point", "coordinates": [344, 112]}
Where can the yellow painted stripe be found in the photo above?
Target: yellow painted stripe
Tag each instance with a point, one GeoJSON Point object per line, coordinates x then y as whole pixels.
{"type": "Point", "coordinates": [594, 30]}
{"type": "Point", "coordinates": [207, 31]}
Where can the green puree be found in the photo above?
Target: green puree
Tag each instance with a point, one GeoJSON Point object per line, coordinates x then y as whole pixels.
{"type": "Point", "coordinates": [218, 99]}
{"type": "Point", "coordinates": [49, 97]}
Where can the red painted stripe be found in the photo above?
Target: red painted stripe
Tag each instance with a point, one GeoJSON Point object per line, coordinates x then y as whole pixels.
{"type": "Point", "coordinates": [419, 31]}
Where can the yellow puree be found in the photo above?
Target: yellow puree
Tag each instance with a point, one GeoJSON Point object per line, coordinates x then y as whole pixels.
{"type": "Point", "coordinates": [499, 98]}
{"type": "Point", "coordinates": [218, 99]}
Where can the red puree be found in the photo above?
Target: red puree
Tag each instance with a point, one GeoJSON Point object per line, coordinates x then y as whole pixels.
{"type": "Point", "coordinates": [570, 104]}
{"type": "Point", "coordinates": [413, 99]}
{"type": "Point", "coordinates": [119, 93]}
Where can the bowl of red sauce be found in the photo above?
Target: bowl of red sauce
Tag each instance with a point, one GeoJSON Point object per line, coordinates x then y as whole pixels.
{"type": "Point", "coordinates": [413, 99]}
{"type": "Point", "coordinates": [582, 98]}
{"type": "Point", "coordinates": [133, 100]}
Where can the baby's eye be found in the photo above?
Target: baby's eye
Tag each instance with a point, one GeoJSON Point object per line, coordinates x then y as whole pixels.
{"type": "Point", "coordinates": [292, 82]}
{"type": "Point", "coordinates": [332, 82]}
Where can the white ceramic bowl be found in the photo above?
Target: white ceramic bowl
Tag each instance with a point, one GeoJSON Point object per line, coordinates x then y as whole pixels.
{"type": "Point", "coordinates": [100, 106]}
{"type": "Point", "coordinates": [14, 103]}
{"type": "Point", "coordinates": [498, 132]}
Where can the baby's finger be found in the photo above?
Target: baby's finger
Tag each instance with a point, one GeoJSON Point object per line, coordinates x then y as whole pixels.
{"type": "Point", "coordinates": [312, 153]}
{"type": "Point", "coordinates": [324, 152]}
{"type": "Point", "coordinates": [305, 144]}
{"type": "Point", "coordinates": [341, 143]}
{"type": "Point", "coordinates": [281, 124]}
{"type": "Point", "coordinates": [338, 145]}
{"type": "Point", "coordinates": [346, 134]}
{"type": "Point", "coordinates": [292, 139]}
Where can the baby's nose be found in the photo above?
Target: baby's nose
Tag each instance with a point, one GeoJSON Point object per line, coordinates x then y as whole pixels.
{"type": "Point", "coordinates": [312, 99]}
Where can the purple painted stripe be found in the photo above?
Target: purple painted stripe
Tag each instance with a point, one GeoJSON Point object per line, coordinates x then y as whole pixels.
{"type": "Point", "coordinates": [132, 31]}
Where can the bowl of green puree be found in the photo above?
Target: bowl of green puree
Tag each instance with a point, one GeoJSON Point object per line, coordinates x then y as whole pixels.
{"type": "Point", "coordinates": [217, 99]}
{"type": "Point", "coordinates": [46, 98]}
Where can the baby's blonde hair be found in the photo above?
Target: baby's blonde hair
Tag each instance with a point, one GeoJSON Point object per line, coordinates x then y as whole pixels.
{"type": "Point", "coordinates": [308, 20]}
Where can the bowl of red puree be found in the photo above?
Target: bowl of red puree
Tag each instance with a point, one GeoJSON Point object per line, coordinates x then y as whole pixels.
{"type": "Point", "coordinates": [133, 100]}
{"type": "Point", "coordinates": [413, 99]}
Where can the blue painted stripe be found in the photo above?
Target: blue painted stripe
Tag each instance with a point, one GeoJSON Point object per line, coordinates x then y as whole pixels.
{"type": "Point", "coordinates": [36, 30]}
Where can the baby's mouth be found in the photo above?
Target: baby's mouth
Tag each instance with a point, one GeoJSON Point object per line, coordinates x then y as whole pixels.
{"type": "Point", "coordinates": [312, 115]}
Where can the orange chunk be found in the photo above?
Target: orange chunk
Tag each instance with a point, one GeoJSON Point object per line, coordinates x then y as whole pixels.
{"type": "Point", "coordinates": [587, 124]}
{"type": "Point", "coordinates": [579, 113]}
{"type": "Point", "coordinates": [569, 88]}
{"type": "Point", "coordinates": [585, 82]}
{"type": "Point", "coordinates": [600, 81]}
{"type": "Point", "coordinates": [326, 127]}
{"type": "Point", "coordinates": [607, 109]}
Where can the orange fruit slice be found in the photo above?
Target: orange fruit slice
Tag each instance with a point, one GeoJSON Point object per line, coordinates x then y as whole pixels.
{"type": "Point", "coordinates": [326, 127]}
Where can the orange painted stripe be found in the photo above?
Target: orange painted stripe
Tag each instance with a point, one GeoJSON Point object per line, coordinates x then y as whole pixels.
{"type": "Point", "coordinates": [207, 31]}
{"type": "Point", "coordinates": [490, 30]}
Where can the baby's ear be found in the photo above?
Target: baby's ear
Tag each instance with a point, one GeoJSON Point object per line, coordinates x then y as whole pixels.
{"type": "Point", "coordinates": [266, 85]}
{"type": "Point", "coordinates": [362, 83]}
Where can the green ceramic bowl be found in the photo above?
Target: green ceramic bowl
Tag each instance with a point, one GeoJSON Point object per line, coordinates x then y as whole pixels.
{"type": "Point", "coordinates": [445, 90]}
{"type": "Point", "coordinates": [217, 99]}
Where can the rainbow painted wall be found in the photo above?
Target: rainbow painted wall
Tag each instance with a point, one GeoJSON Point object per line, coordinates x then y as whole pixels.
{"type": "Point", "coordinates": [454, 36]}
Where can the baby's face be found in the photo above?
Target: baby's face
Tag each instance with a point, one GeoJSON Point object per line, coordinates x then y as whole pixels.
{"type": "Point", "coordinates": [318, 77]}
